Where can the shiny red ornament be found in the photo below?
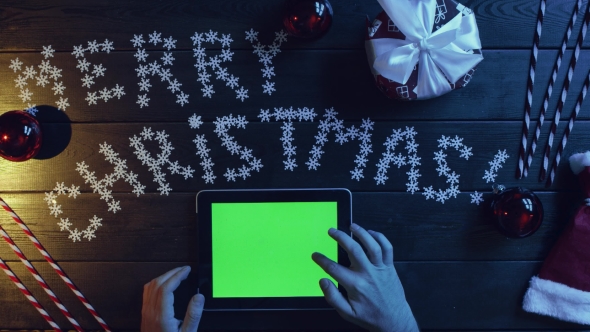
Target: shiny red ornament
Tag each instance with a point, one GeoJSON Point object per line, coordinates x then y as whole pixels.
{"type": "Point", "coordinates": [306, 18]}
{"type": "Point", "coordinates": [517, 212]}
{"type": "Point", "coordinates": [20, 136]}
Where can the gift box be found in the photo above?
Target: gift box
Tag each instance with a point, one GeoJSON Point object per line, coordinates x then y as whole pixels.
{"type": "Point", "coordinates": [421, 49]}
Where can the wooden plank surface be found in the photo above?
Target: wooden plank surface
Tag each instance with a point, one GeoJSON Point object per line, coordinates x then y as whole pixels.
{"type": "Point", "coordinates": [142, 232]}
{"type": "Point", "coordinates": [502, 24]}
{"type": "Point", "coordinates": [303, 79]}
{"type": "Point", "coordinates": [459, 273]}
{"type": "Point", "coordinates": [462, 296]}
{"type": "Point", "coordinates": [264, 140]}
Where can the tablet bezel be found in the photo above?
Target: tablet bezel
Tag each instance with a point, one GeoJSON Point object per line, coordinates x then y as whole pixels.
{"type": "Point", "coordinates": [205, 198]}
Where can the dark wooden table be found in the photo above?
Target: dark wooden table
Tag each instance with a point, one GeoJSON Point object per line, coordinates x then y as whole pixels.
{"type": "Point", "coordinates": [458, 272]}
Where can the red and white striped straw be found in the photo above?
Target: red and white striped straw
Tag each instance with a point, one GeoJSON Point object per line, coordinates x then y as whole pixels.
{"type": "Point", "coordinates": [40, 280]}
{"type": "Point", "coordinates": [568, 131]}
{"type": "Point", "coordinates": [552, 79]}
{"type": "Point", "coordinates": [529, 91]}
{"type": "Point", "coordinates": [28, 295]}
{"type": "Point", "coordinates": [566, 85]}
{"type": "Point", "coordinates": [53, 264]}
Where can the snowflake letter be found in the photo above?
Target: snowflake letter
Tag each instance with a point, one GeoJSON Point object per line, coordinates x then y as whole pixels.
{"type": "Point", "coordinates": [287, 116]}
{"type": "Point", "coordinates": [94, 71]}
{"type": "Point", "coordinates": [443, 169]}
{"type": "Point", "coordinates": [222, 126]}
{"type": "Point", "coordinates": [389, 158]}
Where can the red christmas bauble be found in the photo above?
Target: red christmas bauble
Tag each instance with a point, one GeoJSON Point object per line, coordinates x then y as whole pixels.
{"type": "Point", "coordinates": [20, 136]}
{"type": "Point", "coordinates": [307, 18]}
{"type": "Point", "coordinates": [517, 212]}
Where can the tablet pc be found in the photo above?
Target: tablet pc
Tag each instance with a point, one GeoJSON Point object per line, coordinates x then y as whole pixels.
{"type": "Point", "coordinates": [255, 246]}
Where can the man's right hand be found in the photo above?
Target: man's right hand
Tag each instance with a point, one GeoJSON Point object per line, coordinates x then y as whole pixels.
{"type": "Point", "coordinates": [376, 299]}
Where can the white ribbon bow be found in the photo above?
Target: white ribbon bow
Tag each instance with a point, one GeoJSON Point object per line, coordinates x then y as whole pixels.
{"type": "Point", "coordinates": [442, 54]}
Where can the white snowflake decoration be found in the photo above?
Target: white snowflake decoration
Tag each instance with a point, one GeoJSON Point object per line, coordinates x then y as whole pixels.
{"type": "Point", "coordinates": [64, 223]}
{"type": "Point", "coordinates": [476, 198]}
{"type": "Point", "coordinates": [195, 121]}
{"type": "Point", "coordinates": [144, 71]}
{"type": "Point", "coordinates": [411, 158]}
{"type": "Point", "coordinates": [163, 158]}
{"type": "Point", "coordinates": [495, 165]}
{"type": "Point", "coordinates": [444, 170]}
{"type": "Point", "coordinates": [365, 148]}
{"type": "Point", "coordinates": [143, 100]}
{"type": "Point", "coordinates": [222, 126]}
{"type": "Point", "coordinates": [214, 62]}
{"type": "Point", "coordinates": [343, 135]}
{"type": "Point", "coordinates": [265, 54]}
{"type": "Point", "coordinates": [42, 78]}
{"type": "Point", "coordinates": [48, 52]}
{"type": "Point", "coordinates": [120, 172]}
{"type": "Point", "coordinates": [201, 143]}
{"type": "Point", "coordinates": [32, 109]}
{"type": "Point", "coordinates": [16, 64]}
{"type": "Point", "coordinates": [94, 71]}
{"type": "Point", "coordinates": [241, 93]}
{"type": "Point", "coordinates": [287, 115]}
{"type": "Point", "coordinates": [429, 193]}
{"type": "Point", "coordinates": [268, 87]}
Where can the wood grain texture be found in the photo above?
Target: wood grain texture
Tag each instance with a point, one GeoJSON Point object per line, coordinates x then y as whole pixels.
{"type": "Point", "coordinates": [315, 79]}
{"type": "Point", "coordinates": [145, 230]}
{"type": "Point", "coordinates": [502, 24]}
{"type": "Point", "coordinates": [463, 295]}
{"type": "Point", "coordinates": [459, 273]}
{"type": "Point", "coordinates": [264, 140]}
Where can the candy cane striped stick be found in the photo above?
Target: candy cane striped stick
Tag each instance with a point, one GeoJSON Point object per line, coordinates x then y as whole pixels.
{"type": "Point", "coordinates": [53, 264]}
{"type": "Point", "coordinates": [40, 280]}
{"type": "Point", "coordinates": [529, 91]}
{"type": "Point", "coordinates": [552, 79]}
{"type": "Point", "coordinates": [568, 131]}
{"type": "Point", "coordinates": [566, 85]}
{"type": "Point", "coordinates": [28, 295]}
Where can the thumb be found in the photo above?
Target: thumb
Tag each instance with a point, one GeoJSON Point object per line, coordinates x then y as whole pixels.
{"type": "Point", "coordinates": [336, 299]}
{"type": "Point", "coordinates": [193, 313]}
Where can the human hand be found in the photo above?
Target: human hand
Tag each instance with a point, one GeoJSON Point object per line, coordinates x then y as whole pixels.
{"type": "Point", "coordinates": [376, 299]}
{"type": "Point", "coordinates": [157, 312]}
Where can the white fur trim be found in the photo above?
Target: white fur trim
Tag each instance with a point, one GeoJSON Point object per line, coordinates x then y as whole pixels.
{"type": "Point", "coordinates": [557, 300]}
{"type": "Point", "coordinates": [579, 160]}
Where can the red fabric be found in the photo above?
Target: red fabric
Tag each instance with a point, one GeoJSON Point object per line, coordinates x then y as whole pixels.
{"type": "Point", "coordinates": [584, 178]}
{"type": "Point", "coordinates": [568, 262]}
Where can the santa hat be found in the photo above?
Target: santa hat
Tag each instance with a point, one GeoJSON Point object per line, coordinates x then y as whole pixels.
{"type": "Point", "coordinates": [562, 288]}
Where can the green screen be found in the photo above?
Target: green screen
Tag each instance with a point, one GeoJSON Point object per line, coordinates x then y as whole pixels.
{"type": "Point", "coordinates": [264, 249]}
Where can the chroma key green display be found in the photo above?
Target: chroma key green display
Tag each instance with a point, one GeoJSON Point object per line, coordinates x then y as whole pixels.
{"type": "Point", "coordinates": [264, 249]}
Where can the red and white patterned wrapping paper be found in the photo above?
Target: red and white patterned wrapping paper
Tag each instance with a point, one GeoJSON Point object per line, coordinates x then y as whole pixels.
{"type": "Point", "coordinates": [384, 27]}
